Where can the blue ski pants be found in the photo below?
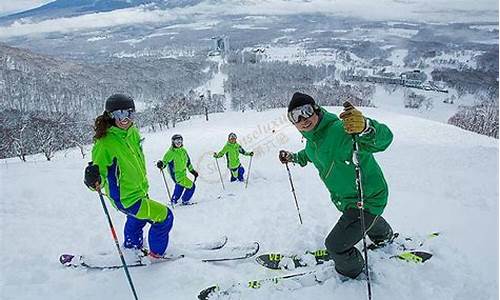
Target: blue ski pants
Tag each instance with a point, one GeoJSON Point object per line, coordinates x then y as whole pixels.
{"type": "Point", "coordinates": [237, 173]}
{"type": "Point", "coordinates": [185, 193]}
{"type": "Point", "coordinates": [158, 216]}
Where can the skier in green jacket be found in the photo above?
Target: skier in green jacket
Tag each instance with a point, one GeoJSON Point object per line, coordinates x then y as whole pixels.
{"type": "Point", "coordinates": [330, 148]}
{"type": "Point", "coordinates": [177, 160]}
{"type": "Point", "coordinates": [232, 150]}
{"type": "Point", "coordinates": [119, 167]}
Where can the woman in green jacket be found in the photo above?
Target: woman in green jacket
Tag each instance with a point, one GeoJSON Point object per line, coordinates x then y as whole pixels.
{"type": "Point", "coordinates": [330, 148]}
{"type": "Point", "coordinates": [119, 167]}
{"type": "Point", "coordinates": [177, 160]}
{"type": "Point", "coordinates": [232, 150]}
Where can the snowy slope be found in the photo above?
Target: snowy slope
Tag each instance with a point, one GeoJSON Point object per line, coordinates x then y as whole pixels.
{"type": "Point", "coordinates": [440, 177]}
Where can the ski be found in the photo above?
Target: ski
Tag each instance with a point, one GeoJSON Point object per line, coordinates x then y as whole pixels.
{"type": "Point", "coordinates": [407, 243]}
{"type": "Point", "coordinates": [277, 261]}
{"type": "Point", "coordinates": [79, 261]}
{"type": "Point", "coordinates": [312, 277]}
{"type": "Point", "coordinates": [296, 280]}
{"type": "Point", "coordinates": [315, 276]}
{"type": "Point", "coordinates": [406, 252]}
{"type": "Point", "coordinates": [211, 245]}
{"type": "Point", "coordinates": [219, 253]}
{"type": "Point", "coordinates": [178, 205]}
{"type": "Point", "coordinates": [226, 195]}
{"type": "Point", "coordinates": [248, 252]}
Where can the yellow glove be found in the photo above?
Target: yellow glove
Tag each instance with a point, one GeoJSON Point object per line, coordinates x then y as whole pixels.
{"type": "Point", "coordinates": [354, 122]}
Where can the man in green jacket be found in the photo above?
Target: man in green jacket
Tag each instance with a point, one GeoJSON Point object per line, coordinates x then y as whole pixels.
{"type": "Point", "coordinates": [232, 150]}
{"type": "Point", "coordinates": [119, 167]}
{"type": "Point", "coordinates": [177, 160]}
{"type": "Point", "coordinates": [330, 148]}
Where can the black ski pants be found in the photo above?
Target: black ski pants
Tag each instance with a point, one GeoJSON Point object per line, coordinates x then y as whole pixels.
{"type": "Point", "coordinates": [347, 233]}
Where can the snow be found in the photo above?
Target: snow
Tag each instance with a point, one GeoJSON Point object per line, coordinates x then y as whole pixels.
{"type": "Point", "coordinates": [291, 53]}
{"type": "Point", "coordinates": [441, 178]}
{"type": "Point", "coordinates": [485, 27]}
{"type": "Point", "coordinates": [97, 38]}
{"type": "Point", "coordinates": [166, 52]}
{"type": "Point", "coordinates": [195, 26]}
{"type": "Point", "coordinates": [391, 98]}
{"type": "Point", "coordinates": [154, 35]}
{"type": "Point", "coordinates": [296, 53]}
{"type": "Point", "coordinates": [376, 34]}
{"type": "Point", "coordinates": [216, 84]}
{"type": "Point", "coordinates": [460, 59]}
{"type": "Point", "coordinates": [397, 57]}
{"type": "Point", "coordinates": [249, 27]}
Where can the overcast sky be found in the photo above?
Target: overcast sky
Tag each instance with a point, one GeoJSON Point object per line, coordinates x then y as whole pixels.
{"type": "Point", "coordinates": [11, 6]}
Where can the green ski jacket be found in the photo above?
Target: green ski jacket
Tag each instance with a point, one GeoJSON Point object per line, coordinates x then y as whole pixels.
{"type": "Point", "coordinates": [232, 152]}
{"type": "Point", "coordinates": [177, 160]}
{"type": "Point", "coordinates": [121, 165]}
{"type": "Point", "coordinates": [330, 149]}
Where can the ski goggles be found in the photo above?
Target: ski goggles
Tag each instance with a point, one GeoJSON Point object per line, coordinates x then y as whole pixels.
{"type": "Point", "coordinates": [300, 113]}
{"type": "Point", "coordinates": [177, 141]}
{"type": "Point", "coordinates": [123, 114]}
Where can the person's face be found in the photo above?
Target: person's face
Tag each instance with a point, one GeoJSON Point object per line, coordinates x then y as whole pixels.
{"type": "Point", "coordinates": [307, 124]}
{"type": "Point", "coordinates": [178, 143]}
{"type": "Point", "coordinates": [232, 140]}
{"type": "Point", "coordinates": [123, 124]}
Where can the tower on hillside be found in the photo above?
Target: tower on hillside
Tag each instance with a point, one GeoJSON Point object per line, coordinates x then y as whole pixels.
{"type": "Point", "coordinates": [220, 45]}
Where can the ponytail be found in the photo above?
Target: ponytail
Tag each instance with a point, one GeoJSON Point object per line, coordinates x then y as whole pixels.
{"type": "Point", "coordinates": [101, 125]}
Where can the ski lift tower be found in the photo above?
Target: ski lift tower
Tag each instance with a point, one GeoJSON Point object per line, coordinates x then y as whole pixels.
{"type": "Point", "coordinates": [220, 45]}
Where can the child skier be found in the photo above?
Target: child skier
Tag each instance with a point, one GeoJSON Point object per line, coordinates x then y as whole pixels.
{"type": "Point", "coordinates": [118, 165]}
{"type": "Point", "coordinates": [232, 150]}
{"type": "Point", "coordinates": [177, 160]}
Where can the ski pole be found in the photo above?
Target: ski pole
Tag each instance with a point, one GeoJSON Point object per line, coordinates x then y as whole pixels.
{"type": "Point", "coordinates": [168, 190]}
{"type": "Point", "coordinates": [220, 175]}
{"type": "Point", "coordinates": [293, 192]}
{"type": "Point", "coordinates": [361, 207]}
{"type": "Point", "coordinates": [115, 238]}
{"type": "Point", "coordinates": [361, 203]}
{"type": "Point", "coordinates": [249, 167]}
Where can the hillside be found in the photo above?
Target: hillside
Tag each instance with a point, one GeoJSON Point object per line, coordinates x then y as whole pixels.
{"type": "Point", "coordinates": [31, 81]}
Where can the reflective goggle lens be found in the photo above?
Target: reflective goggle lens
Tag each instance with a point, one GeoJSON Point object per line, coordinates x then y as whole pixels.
{"type": "Point", "coordinates": [178, 142]}
{"type": "Point", "coordinates": [304, 111]}
{"type": "Point", "coordinates": [123, 114]}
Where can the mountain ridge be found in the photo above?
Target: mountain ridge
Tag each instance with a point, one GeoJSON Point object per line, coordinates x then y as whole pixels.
{"type": "Point", "coordinates": [72, 8]}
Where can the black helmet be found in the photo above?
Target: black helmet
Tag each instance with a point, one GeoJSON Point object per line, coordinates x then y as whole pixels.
{"type": "Point", "coordinates": [119, 101]}
{"type": "Point", "coordinates": [232, 135]}
{"type": "Point", "coordinates": [176, 137]}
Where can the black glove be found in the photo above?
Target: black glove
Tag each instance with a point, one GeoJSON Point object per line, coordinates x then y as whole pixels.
{"type": "Point", "coordinates": [251, 153]}
{"type": "Point", "coordinates": [285, 156]}
{"type": "Point", "coordinates": [160, 164]}
{"type": "Point", "coordinates": [195, 174]}
{"type": "Point", "coordinates": [215, 154]}
{"type": "Point", "coordinates": [92, 177]}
